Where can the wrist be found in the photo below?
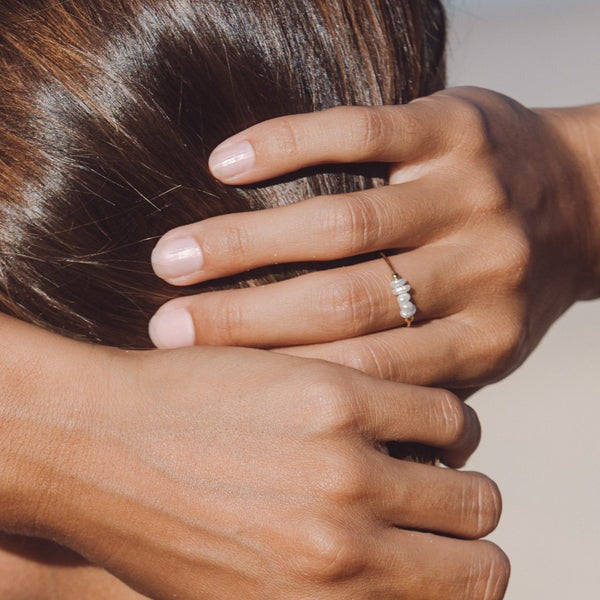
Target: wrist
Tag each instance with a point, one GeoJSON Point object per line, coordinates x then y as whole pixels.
{"type": "Point", "coordinates": [43, 413]}
{"type": "Point", "coordinates": [578, 129]}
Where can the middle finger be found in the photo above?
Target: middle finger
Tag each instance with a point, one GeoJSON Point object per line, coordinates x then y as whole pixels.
{"type": "Point", "coordinates": [318, 229]}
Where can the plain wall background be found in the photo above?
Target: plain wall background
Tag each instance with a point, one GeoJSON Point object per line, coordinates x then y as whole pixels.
{"type": "Point", "coordinates": [542, 425]}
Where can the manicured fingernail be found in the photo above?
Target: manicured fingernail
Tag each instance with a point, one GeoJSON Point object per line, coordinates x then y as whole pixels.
{"type": "Point", "coordinates": [177, 257]}
{"type": "Point", "coordinates": [229, 161]}
{"type": "Point", "coordinates": [172, 329]}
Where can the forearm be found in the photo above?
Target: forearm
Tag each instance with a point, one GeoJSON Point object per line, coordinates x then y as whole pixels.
{"type": "Point", "coordinates": [38, 376]}
{"type": "Point", "coordinates": [32, 568]}
{"type": "Point", "coordinates": [64, 475]}
{"type": "Point", "coordinates": [22, 415]}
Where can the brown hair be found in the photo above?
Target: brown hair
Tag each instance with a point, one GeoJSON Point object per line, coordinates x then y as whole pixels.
{"type": "Point", "coordinates": [109, 109]}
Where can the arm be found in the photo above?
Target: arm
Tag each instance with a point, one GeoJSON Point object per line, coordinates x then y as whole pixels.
{"type": "Point", "coordinates": [579, 129]}
{"type": "Point", "coordinates": [494, 207]}
{"type": "Point", "coordinates": [37, 376]}
{"type": "Point", "coordinates": [215, 472]}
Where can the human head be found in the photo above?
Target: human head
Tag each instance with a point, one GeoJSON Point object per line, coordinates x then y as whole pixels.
{"type": "Point", "coordinates": [109, 109]}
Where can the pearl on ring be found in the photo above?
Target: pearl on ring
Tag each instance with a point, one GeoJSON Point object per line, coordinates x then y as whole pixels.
{"type": "Point", "coordinates": [401, 289]}
{"type": "Point", "coordinates": [395, 283]}
{"type": "Point", "coordinates": [408, 310]}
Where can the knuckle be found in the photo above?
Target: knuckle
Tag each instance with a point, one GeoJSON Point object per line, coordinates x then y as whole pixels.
{"type": "Point", "coordinates": [490, 573]}
{"type": "Point", "coordinates": [373, 356]}
{"type": "Point", "coordinates": [285, 136]}
{"type": "Point", "coordinates": [453, 417]}
{"type": "Point", "coordinates": [482, 505]}
{"type": "Point", "coordinates": [234, 241]}
{"type": "Point", "coordinates": [518, 255]}
{"type": "Point", "coordinates": [370, 130]}
{"type": "Point", "coordinates": [490, 196]}
{"type": "Point", "coordinates": [327, 552]}
{"type": "Point", "coordinates": [472, 125]}
{"type": "Point", "coordinates": [346, 305]}
{"type": "Point", "coordinates": [508, 262]}
{"type": "Point", "coordinates": [341, 479]}
{"type": "Point", "coordinates": [509, 345]}
{"type": "Point", "coordinates": [353, 222]}
{"type": "Point", "coordinates": [369, 358]}
{"type": "Point", "coordinates": [501, 349]}
{"type": "Point", "coordinates": [227, 321]}
{"type": "Point", "coordinates": [330, 400]}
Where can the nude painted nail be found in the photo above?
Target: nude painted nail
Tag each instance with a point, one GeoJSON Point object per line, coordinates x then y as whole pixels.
{"type": "Point", "coordinates": [173, 258]}
{"type": "Point", "coordinates": [229, 161]}
{"type": "Point", "coordinates": [172, 329]}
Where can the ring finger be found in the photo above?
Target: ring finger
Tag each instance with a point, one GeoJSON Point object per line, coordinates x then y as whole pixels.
{"type": "Point", "coordinates": [318, 307]}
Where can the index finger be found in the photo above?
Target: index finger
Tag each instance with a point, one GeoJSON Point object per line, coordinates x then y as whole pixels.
{"type": "Point", "coordinates": [345, 134]}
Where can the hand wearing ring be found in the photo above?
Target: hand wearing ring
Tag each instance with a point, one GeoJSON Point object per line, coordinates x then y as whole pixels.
{"type": "Point", "coordinates": [495, 256]}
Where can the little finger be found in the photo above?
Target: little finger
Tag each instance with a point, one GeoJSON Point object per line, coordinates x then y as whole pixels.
{"type": "Point", "coordinates": [423, 566]}
{"type": "Point", "coordinates": [441, 352]}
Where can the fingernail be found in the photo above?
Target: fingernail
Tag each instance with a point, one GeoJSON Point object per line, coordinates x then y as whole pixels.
{"type": "Point", "coordinates": [229, 161]}
{"type": "Point", "coordinates": [172, 329]}
{"type": "Point", "coordinates": [177, 257]}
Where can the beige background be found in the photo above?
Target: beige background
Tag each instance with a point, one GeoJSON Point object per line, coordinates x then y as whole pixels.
{"type": "Point", "coordinates": [542, 425]}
